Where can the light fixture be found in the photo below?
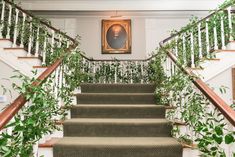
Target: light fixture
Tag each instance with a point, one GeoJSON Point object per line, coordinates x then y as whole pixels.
{"type": "Point", "coordinates": [116, 15]}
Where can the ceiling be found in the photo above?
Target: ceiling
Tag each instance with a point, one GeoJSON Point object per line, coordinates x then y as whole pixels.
{"type": "Point", "coordinates": [124, 5]}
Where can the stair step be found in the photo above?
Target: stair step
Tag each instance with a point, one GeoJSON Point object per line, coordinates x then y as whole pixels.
{"type": "Point", "coordinates": [116, 98]}
{"type": "Point", "coordinates": [117, 147]}
{"type": "Point", "coordinates": [32, 61]}
{"type": "Point", "coordinates": [91, 127]}
{"type": "Point", "coordinates": [117, 88]}
{"type": "Point", "coordinates": [118, 111]}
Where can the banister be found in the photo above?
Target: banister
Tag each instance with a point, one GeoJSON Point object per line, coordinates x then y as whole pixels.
{"type": "Point", "coordinates": [195, 24]}
{"type": "Point", "coordinates": [218, 102]}
{"type": "Point", "coordinates": [42, 22]}
{"type": "Point", "coordinates": [19, 102]}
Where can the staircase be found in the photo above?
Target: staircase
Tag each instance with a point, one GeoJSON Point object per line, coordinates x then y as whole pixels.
{"type": "Point", "coordinates": [117, 120]}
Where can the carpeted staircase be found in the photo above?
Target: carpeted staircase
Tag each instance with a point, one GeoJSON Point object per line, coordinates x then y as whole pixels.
{"type": "Point", "coordinates": [117, 120]}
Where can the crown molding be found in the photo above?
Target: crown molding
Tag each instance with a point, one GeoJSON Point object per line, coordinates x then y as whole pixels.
{"type": "Point", "coordinates": [125, 14]}
{"type": "Point", "coordinates": [130, 5]}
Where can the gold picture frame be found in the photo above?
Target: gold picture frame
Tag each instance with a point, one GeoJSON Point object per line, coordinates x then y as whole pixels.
{"type": "Point", "coordinates": [116, 36]}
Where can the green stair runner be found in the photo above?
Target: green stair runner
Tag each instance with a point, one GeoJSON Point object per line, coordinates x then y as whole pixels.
{"type": "Point", "coordinates": [117, 120]}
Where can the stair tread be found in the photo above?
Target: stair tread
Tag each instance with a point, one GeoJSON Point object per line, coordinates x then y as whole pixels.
{"type": "Point", "coordinates": [118, 141]}
{"type": "Point", "coordinates": [118, 121]}
{"type": "Point", "coordinates": [115, 94]}
{"type": "Point", "coordinates": [119, 106]}
{"type": "Point", "coordinates": [117, 84]}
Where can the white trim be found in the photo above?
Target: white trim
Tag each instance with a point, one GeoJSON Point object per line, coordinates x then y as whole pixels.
{"type": "Point", "coordinates": [92, 5]}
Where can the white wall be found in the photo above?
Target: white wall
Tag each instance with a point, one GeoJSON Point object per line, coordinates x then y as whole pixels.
{"type": "Point", "coordinates": [158, 29]}
{"type": "Point", "coordinates": [5, 73]}
{"type": "Point", "coordinates": [147, 31]}
{"type": "Point", "coordinates": [90, 31]}
{"type": "Point", "coordinates": [223, 79]}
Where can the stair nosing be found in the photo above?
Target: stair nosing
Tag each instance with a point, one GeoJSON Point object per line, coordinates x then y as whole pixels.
{"type": "Point", "coordinates": [117, 121]}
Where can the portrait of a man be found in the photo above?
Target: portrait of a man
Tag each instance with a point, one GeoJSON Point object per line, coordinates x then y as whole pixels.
{"type": "Point", "coordinates": [116, 36]}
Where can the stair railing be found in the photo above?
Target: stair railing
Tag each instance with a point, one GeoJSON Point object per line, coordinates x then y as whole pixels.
{"type": "Point", "coordinates": [195, 42]}
{"type": "Point", "coordinates": [41, 40]}
{"type": "Point", "coordinates": [187, 50]}
{"type": "Point", "coordinates": [116, 71]}
{"type": "Point", "coordinates": [180, 60]}
{"type": "Point", "coordinates": [34, 35]}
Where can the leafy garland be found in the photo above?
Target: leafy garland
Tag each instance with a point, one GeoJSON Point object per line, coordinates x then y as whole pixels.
{"type": "Point", "coordinates": [122, 71]}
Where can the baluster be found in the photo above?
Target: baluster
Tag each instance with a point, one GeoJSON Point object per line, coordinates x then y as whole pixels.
{"type": "Point", "coordinates": [167, 67]}
{"type": "Point", "coordinates": [83, 65]}
{"type": "Point", "coordinates": [199, 40]}
{"type": "Point", "coordinates": [30, 36]}
{"type": "Point", "coordinates": [60, 39]}
{"type": "Point", "coordinates": [23, 31]}
{"type": "Point", "coordinates": [173, 68]}
{"type": "Point", "coordinates": [37, 42]}
{"type": "Point", "coordinates": [35, 149]}
{"type": "Point", "coordinates": [104, 72]}
{"type": "Point", "coordinates": [94, 71]}
{"type": "Point", "coordinates": [170, 68]}
{"type": "Point", "coordinates": [115, 74]}
{"type": "Point", "coordinates": [192, 50]}
{"type": "Point", "coordinates": [16, 28]}
{"type": "Point", "coordinates": [142, 72]}
{"type": "Point", "coordinates": [230, 23]}
{"type": "Point", "coordinates": [100, 71]}
{"type": "Point", "coordinates": [110, 77]}
{"type": "Point", "coordinates": [207, 39]}
{"type": "Point", "coordinates": [68, 43]}
{"type": "Point", "coordinates": [44, 50]}
{"type": "Point", "coordinates": [215, 37]}
{"type": "Point", "coordinates": [56, 83]}
{"type": "Point", "coordinates": [130, 68]}
{"type": "Point", "coordinates": [2, 19]}
{"type": "Point", "coordinates": [222, 33]}
{"type": "Point", "coordinates": [184, 50]}
{"type": "Point", "coordinates": [176, 46]}
{"type": "Point", "coordinates": [52, 40]}
{"type": "Point", "coordinates": [121, 72]}
{"type": "Point", "coordinates": [9, 22]}
{"type": "Point", "coordinates": [89, 69]}
{"type": "Point", "coordinates": [60, 101]}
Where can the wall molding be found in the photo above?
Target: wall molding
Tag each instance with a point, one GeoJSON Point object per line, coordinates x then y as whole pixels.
{"type": "Point", "coordinates": [101, 5]}
{"type": "Point", "coordinates": [125, 14]}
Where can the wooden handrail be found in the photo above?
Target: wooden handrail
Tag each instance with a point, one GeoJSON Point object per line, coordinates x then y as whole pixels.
{"type": "Point", "coordinates": [219, 103]}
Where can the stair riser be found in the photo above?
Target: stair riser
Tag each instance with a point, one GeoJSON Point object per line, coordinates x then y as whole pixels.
{"type": "Point", "coordinates": [17, 53]}
{"type": "Point", "coordinates": [86, 112]}
{"type": "Point", "coordinates": [117, 130]}
{"type": "Point", "coordinates": [31, 62]}
{"type": "Point", "coordinates": [117, 88]}
{"type": "Point", "coordinates": [122, 151]}
{"type": "Point", "coordinates": [115, 99]}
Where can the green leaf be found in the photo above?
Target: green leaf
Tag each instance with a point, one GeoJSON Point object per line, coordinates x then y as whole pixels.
{"type": "Point", "coordinates": [219, 130]}
{"type": "Point", "coordinates": [229, 139]}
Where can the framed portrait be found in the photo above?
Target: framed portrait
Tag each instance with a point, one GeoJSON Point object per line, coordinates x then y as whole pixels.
{"type": "Point", "coordinates": [116, 36]}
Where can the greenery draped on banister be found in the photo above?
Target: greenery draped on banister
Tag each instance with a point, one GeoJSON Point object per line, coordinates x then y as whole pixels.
{"type": "Point", "coordinates": [44, 100]}
{"type": "Point", "coordinates": [209, 120]}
